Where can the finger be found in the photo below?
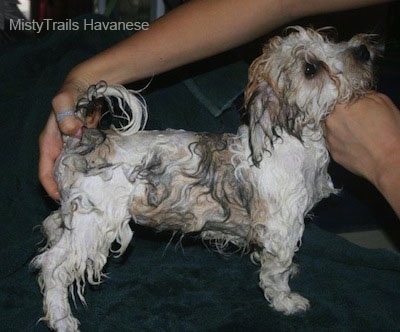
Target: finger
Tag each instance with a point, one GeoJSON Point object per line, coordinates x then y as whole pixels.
{"type": "Point", "coordinates": [46, 173]}
{"type": "Point", "coordinates": [50, 145]}
{"type": "Point", "coordinates": [68, 123]}
{"type": "Point", "coordinates": [49, 184]}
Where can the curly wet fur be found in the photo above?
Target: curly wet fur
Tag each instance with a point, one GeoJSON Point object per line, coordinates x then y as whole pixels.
{"type": "Point", "coordinates": [251, 189]}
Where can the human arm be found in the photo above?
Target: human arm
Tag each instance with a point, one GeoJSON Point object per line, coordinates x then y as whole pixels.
{"type": "Point", "coordinates": [364, 137]}
{"type": "Point", "coordinates": [193, 31]}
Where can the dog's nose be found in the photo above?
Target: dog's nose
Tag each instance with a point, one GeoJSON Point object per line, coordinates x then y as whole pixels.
{"type": "Point", "coordinates": [361, 53]}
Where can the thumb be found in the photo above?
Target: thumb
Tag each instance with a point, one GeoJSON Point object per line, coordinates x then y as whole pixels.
{"type": "Point", "coordinates": [64, 110]}
{"type": "Point", "coordinates": [69, 123]}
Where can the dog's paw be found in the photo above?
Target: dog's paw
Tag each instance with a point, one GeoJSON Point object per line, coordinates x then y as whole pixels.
{"type": "Point", "coordinates": [66, 324]}
{"type": "Point", "coordinates": [289, 303]}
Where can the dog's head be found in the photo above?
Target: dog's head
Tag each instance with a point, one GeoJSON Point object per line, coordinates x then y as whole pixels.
{"type": "Point", "coordinates": [298, 80]}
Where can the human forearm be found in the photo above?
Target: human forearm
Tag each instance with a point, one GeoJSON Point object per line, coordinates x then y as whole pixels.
{"type": "Point", "coordinates": [198, 29]}
{"type": "Point", "coordinates": [384, 154]}
{"type": "Point", "coordinates": [191, 32]}
{"type": "Point", "coordinates": [388, 182]}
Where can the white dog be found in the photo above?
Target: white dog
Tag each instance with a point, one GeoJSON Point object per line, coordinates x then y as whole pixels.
{"type": "Point", "coordinates": [251, 189]}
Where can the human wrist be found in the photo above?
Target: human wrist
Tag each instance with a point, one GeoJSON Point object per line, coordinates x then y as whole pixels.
{"type": "Point", "coordinates": [114, 66]}
{"type": "Point", "coordinates": [387, 182]}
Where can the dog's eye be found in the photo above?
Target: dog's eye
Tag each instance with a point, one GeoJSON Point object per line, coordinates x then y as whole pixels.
{"type": "Point", "coordinates": [361, 53]}
{"type": "Point", "coordinates": [310, 70]}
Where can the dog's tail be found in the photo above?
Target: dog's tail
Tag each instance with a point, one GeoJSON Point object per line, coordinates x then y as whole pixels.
{"type": "Point", "coordinates": [126, 109]}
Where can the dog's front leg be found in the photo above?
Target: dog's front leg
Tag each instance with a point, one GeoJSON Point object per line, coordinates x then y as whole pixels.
{"type": "Point", "coordinates": [274, 280]}
{"type": "Point", "coordinates": [278, 246]}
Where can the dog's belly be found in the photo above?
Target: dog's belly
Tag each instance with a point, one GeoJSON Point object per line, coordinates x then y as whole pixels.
{"type": "Point", "coordinates": [192, 186]}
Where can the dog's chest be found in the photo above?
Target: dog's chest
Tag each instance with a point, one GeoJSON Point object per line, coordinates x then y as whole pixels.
{"type": "Point", "coordinates": [295, 171]}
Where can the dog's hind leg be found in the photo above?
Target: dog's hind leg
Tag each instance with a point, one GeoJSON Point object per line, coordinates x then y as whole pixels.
{"type": "Point", "coordinates": [54, 279]}
{"type": "Point", "coordinates": [53, 228]}
{"type": "Point", "coordinates": [78, 256]}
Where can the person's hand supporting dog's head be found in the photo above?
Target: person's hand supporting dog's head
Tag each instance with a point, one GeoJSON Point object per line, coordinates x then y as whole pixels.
{"type": "Point", "coordinates": [364, 137]}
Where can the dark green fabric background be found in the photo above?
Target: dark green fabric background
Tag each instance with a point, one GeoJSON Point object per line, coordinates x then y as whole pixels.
{"type": "Point", "coordinates": [153, 287]}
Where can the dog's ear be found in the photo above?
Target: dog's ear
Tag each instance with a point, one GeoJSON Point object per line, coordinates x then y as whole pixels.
{"type": "Point", "coordinates": [262, 106]}
{"type": "Point", "coordinates": [270, 109]}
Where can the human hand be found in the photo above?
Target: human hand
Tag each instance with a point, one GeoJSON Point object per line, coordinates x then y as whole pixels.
{"type": "Point", "coordinates": [361, 136]}
{"type": "Point", "coordinates": [364, 137]}
{"type": "Point", "coordinates": [50, 140]}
